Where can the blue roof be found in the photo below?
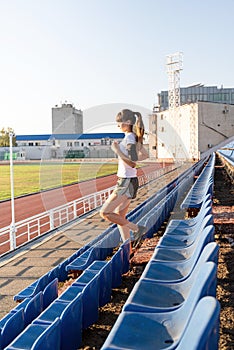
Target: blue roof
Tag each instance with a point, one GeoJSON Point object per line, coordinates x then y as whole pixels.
{"type": "Point", "coordinates": [112, 135]}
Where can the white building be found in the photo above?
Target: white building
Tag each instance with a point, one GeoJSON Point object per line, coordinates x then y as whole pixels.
{"type": "Point", "coordinates": [67, 119]}
{"type": "Point", "coordinates": [189, 130]}
{"type": "Point", "coordinates": [58, 146]}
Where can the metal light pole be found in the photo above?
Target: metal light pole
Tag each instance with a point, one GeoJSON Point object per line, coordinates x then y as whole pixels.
{"type": "Point", "coordinates": [12, 226]}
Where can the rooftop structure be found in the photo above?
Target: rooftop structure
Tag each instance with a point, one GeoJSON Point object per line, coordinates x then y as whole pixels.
{"type": "Point", "coordinates": [67, 119]}
{"type": "Point", "coordinates": [197, 93]}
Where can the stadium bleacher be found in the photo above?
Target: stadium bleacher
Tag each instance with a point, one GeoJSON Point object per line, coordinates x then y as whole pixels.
{"type": "Point", "coordinates": [181, 273]}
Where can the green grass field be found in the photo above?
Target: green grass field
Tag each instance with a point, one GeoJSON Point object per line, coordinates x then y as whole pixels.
{"type": "Point", "coordinates": [31, 178]}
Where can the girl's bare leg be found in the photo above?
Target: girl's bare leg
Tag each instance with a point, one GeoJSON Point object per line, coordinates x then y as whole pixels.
{"type": "Point", "coordinates": [122, 211]}
{"type": "Point", "coordinates": [111, 213]}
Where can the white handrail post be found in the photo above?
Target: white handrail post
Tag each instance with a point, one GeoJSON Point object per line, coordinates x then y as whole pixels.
{"type": "Point", "coordinates": [12, 226]}
{"type": "Point", "coordinates": [51, 219]}
{"type": "Point", "coordinates": [95, 201]}
{"type": "Point", "coordinates": [74, 209]}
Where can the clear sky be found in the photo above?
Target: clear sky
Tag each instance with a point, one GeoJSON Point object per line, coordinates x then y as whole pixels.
{"type": "Point", "coordinates": [96, 53]}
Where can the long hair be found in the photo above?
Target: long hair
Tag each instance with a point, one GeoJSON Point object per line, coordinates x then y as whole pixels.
{"type": "Point", "coordinates": [136, 122]}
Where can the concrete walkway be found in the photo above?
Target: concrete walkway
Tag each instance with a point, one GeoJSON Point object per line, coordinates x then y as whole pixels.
{"type": "Point", "coordinates": [21, 268]}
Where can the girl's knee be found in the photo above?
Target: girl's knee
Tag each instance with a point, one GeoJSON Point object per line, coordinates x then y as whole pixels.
{"type": "Point", "coordinates": [103, 214]}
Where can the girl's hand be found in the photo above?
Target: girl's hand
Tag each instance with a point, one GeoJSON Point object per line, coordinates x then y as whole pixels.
{"type": "Point", "coordinates": [115, 146]}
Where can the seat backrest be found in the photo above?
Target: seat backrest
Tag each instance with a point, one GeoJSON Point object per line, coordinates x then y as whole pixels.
{"type": "Point", "coordinates": [13, 327]}
{"type": "Point", "coordinates": [205, 277]}
{"type": "Point", "coordinates": [117, 268]}
{"type": "Point", "coordinates": [86, 277]}
{"type": "Point", "coordinates": [33, 308]}
{"type": "Point", "coordinates": [50, 293]}
{"type": "Point", "coordinates": [196, 248]}
{"type": "Point", "coordinates": [71, 324]}
{"type": "Point", "coordinates": [209, 253]}
{"type": "Point", "coordinates": [42, 283]}
{"type": "Point", "coordinates": [181, 254]}
{"type": "Point", "coordinates": [203, 328]}
{"type": "Point", "coordinates": [207, 220]}
{"type": "Point", "coordinates": [50, 338]}
{"type": "Point", "coordinates": [85, 259]}
{"type": "Point", "coordinates": [125, 246]}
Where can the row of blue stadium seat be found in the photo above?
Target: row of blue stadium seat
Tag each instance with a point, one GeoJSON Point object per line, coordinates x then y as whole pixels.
{"type": "Point", "coordinates": [228, 155]}
{"type": "Point", "coordinates": [110, 237]}
{"type": "Point", "coordinates": [77, 307]}
{"type": "Point", "coordinates": [43, 291]}
{"type": "Point", "coordinates": [116, 279]}
{"type": "Point", "coordinates": [202, 186]}
{"type": "Point", "coordinates": [177, 286]}
{"type": "Point", "coordinates": [24, 313]}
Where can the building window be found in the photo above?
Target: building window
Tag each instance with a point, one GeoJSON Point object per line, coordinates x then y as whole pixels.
{"type": "Point", "coordinates": [30, 143]}
{"type": "Point", "coordinates": [69, 144]}
{"type": "Point", "coordinates": [225, 97]}
{"type": "Point", "coordinates": [217, 97]}
{"type": "Point", "coordinates": [76, 143]}
{"type": "Point", "coordinates": [161, 116]}
{"type": "Point", "coordinates": [162, 129]}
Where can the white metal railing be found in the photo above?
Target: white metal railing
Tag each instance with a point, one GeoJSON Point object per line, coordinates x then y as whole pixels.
{"type": "Point", "coordinates": [37, 225]}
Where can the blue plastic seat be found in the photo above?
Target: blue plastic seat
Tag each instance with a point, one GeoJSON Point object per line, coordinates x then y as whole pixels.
{"type": "Point", "coordinates": [117, 268]}
{"type": "Point", "coordinates": [152, 330]}
{"type": "Point", "coordinates": [32, 308]}
{"type": "Point", "coordinates": [112, 238]}
{"type": "Point", "coordinates": [53, 273]}
{"type": "Point", "coordinates": [172, 271]}
{"type": "Point", "coordinates": [184, 240]}
{"type": "Point", "coordinates": [202, 186]}
{"type": "Point", "coordinates": [88, 285]}
{"type": "Point", "coordinates": [205, 209]}
{"type": "Point", "coordinates": [10, 326]}
{"type": "Point", "coordinates": [185, 227]}
{"type": "Point", "coordinates": [202, 331]}
{"type": "Point", "coordinates": [154, 220]}
{"type": "Point", "coordinates": [84, 260]}
{"type": "Point", "coordinates": [35, 303]}
{"type": "Point", "coordinates": [125, 246]}
{"type": "Point", "coordinates": [50, 293]}
{"type": "Point", "coordinates": [104, 269]}
{"type": "Point", "coordinates": [151, 296]}
{"type": "Point", "coordinates": [33, 289]}
{"type": "Point", "coordinates": [177, 254]}
{"type": "Point", "coordinates": [38, 337]}
{"type": "Point", "coordinates": [70, 315]}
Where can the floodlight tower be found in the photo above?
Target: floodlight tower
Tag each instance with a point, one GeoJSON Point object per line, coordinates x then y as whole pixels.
{"type": "Point", "coordinates": [174, 63]}
{"type": "Point", "coordinates": [174, 66]}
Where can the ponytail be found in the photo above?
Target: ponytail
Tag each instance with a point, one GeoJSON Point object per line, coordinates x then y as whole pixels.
{"type": "Point", "coordinates": [139, 127]}
{"type": "Point", "coordinates": [136, 121]}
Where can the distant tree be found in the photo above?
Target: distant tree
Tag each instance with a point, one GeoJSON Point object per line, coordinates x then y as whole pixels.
{"type": "Point", "coordinates": [5, 139]}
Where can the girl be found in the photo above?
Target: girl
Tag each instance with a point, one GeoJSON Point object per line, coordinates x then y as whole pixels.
{"type": "Point", "coordinates": [116, 206]}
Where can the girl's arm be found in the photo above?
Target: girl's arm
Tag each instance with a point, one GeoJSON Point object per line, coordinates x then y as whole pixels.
{"type": "Point", "coordinates": [126, 159]}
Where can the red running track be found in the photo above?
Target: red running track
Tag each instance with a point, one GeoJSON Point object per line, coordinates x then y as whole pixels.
{"type": "Point", "coordinates": [28, 206]}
